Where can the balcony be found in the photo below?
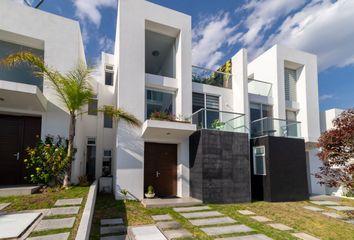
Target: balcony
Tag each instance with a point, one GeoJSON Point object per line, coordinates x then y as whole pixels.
{"type": "Point", "coordinates": [260, 88]}
{"type": "Point", "coordinates": [275, 127]}
{"type": "Point", "coordinates": [219, 120]}
{"type": "Point", "coordinates": [210, 77]}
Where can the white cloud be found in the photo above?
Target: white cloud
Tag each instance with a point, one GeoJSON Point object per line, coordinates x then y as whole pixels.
{"type": "Point", "coordinates": [325, 97]}
{"type": "Point", "coordinates": [106, 44]}
{"type": "Point", "coordinates": [324, 28]}
{"type": "Point", "coordinates": [89, 9]}
{"type": "Point", "coordinates": [209, 36]}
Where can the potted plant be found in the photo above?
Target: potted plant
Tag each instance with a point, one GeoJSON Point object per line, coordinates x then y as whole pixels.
{"type": "Point", "coordinates": [217, 124]}
{"type": "Point", "coordinates": [150, 193]}
{"type": "Point", "coordinates": [124, 192]}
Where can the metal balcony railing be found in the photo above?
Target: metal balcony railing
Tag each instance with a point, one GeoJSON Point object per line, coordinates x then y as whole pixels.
{"type": "Point", "coordinates": [275, 127]}
{"type": "Point", "coordinates": [258, 87]}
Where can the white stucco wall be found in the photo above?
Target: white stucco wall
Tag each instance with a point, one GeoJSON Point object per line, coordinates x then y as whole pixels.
{"type": "Point", "coordinates": [133, 18]}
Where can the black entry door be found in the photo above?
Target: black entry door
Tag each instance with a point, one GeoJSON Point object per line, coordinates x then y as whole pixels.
{"type": "Point", "coordinates": [160, 168]}
{"type": "Point", "coordinates": [16, 134]}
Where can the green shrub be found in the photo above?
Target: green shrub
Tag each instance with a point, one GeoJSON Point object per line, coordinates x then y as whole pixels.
{"type": "Point", "coordinates": [47, 161]}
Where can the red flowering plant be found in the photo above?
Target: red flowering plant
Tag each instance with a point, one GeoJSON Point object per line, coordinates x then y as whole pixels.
{"type": "Point", "coordinates": [337, 153]}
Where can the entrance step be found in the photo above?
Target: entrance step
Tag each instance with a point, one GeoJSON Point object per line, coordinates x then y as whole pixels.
{"type": "Point", "coordinates": [145, 232]}
{"type": "Point", "coordinates": [112, 221]}
{"type": "Point", "coordinates": [18, 190]}
{"type": "Point", "coordinates": [59, 236]}
{"type": "Point", "coordinates": [220, 230]}
{"type": "Point", "coordinates": [170, 202]}
{"type": "Point", "coordinates": [118, 237]}
{"type": "Point", "coordinates": [113, 229]}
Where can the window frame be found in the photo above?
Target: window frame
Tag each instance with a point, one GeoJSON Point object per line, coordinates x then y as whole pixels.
{"type": "Point", "coordinates": [111, 71]}
{"type": "Point", "coordinates": [173, 93]}
{"type": "Point", "coordinates": [104, 122]}
{"type": "Point", "coordinates": [92, 113]}
{"type": "Point", "coordinates": [263, 155]}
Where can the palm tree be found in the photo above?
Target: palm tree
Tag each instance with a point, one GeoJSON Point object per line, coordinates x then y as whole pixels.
{"type": "Point", "coordinates": [73, 89]}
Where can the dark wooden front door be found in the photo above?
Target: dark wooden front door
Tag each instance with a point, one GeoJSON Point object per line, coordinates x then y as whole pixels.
{"type": "Point", "coordinates": [16, 134]}
{"type": "Point", "coordinates": [160, 168]}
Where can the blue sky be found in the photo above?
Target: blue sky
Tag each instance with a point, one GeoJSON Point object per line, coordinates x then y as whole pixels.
{"type": "Point", "coordinates": [221, 28]}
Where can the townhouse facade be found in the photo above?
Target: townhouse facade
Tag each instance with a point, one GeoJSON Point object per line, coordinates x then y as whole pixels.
{"type": "Point", "coordinates": [245, 131]}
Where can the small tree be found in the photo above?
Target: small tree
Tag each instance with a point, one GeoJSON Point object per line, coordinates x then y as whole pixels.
{"type": "Point", "coordinates": [337, 153]}
{"type": "Point", "coordinates": [73, 89]}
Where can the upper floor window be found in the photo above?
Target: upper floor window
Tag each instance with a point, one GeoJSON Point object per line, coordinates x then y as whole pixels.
{"type": "Point", "coordinates": [210, 103]}
{"type": "Point", "coordinates": [92, 107]}
{"type": "Point", "coordinates": [107, 121]}
{"type": "Point", "coordinates": [109, 75]}
{"type": "Point", "coordinates": [107, 163]}
{"type": "Point", "coordinates": [159, 101]}
{"type": "Point", "coordinates": [290, 84]}
{"type": "Point", "coordinates": [258, 111]}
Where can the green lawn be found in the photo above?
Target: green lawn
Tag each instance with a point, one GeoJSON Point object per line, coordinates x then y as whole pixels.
{"type": "Point", "coordinates": [47, 200]}
{"type": "Point", "coordinates": [288, 213]}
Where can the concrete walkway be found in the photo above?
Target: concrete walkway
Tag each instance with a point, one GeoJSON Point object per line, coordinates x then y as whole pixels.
{"type": "Point", "coordinates": [170, 228]}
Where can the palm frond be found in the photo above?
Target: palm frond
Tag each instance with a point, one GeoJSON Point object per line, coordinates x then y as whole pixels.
{"type": "Point", "coordinates": [120, 114]}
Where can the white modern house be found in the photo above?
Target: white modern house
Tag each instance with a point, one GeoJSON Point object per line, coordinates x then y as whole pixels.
{"type": "Point", "coordinates": [236, 131]}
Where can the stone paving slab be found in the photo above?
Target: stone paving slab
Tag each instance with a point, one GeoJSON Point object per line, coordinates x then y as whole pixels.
{"type": "Point", "coordinates": [325, 203]}
{"type": "Point", "coordinates": [4, 205]}
{"type": "Point", "coordinates": [63, 211]}
{"type": "Point", "coordinates": [113, 229]}
{"type": "Point", "coordinates": [214, 231]}
{"type": "Point", "coordinates": [246, 212]}
{"type": "Point", "coordinates": [13, 225]}
{"type": "Point", "coordinates": [304, 236]}
{"type": "Point", "coordinates": [168, 225]}
{"type": "Point", "coordinates": [332, 215]}
{"type": "Point", "coordinates": [342, 208]}
{"type": "Point", "coordinates": [248, 237]}
{"type": "Point", "coordinates": [146, 232]}
{"type": "Point", "coordinates": [212, 221]}
{"type": "Point", "coordinates": [201, 214]}
{"type": "Point", "coordinates": [68, 201]}
{"type": "Point", "coordinates": [314, 209]}
{"type": "Point", "coordinates": [260, 219]}
{"type": "Point", "coordinates": [191, 209]}
{"type": "Point", "coordinates": [112, 221]}
{"type": "Point", "coordinates": [178, 233]}
{"type": "Point", "coordinates": [280, 226]}
{"type": "Point", "coordinates": [163, 217]}
{"type": "Point", "coordinates": [118, 237]}
{"type": "Point", "coordinates": [59, 236]}
{"type": "Point", "coordinates": [51, 224]}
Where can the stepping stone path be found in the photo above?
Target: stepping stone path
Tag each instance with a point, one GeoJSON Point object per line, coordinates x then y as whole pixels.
{"type": "Point", "coordinates": [220, 230]}
{"type": "Point", "coordinates": [314, 209]}
{"type": "Point", "coordinates": [191, 209]}
{"type": "Point", "coordinates": [325, 203]}
{"type": "Point", "coordinates": [163, 217]}
{"type": "Point", "coordinates": [68, 202]}
{"type": "Point", "coordinates": [246, 212]}
{"type": "Point", "coordinates": [332, 215]}
{"type": "Point", "coordinates": [114, 228]}
{"type": "Point", "coordinates": [304, 236]}
{"type": "Point", "coordinates": [59, 236]}
{"type": "Point", "coordinates": [146, 232]}
{"type": "Point", "coordinates": [170, 228]}
{"type": "Point", "coordinates": [260, 219]}
{"type": "Point", "coordinates": [51, 224]}
{"type": "Point", "coordinates": [212, 221]}
{"type": "Point", "coordinates": [247, 237]}
{"type": "Point", "coordinates": [69, 206]}
{"type": "Point", "coordinates": [63, 211]}
{"type": "Point", "coordinates": [201, 214]}
{"type": "Point", "coordinates": [280, 226]}
{"type": "Point", "coordinates": [4, 205]}
{"type": "Point", "coordinates": [342, 208]}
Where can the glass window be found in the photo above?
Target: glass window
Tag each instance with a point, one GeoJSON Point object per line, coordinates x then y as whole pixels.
{"type": "Point", "coordinates": [91, 158]}
{"type": "Point", "coordinates": [259, 167]}
{"type": "Point", "coordinates": [92, 107]}
{"type": "Point", "coordinates": [107, 163]}
{"type": "Point", "coordinates": [290, 84]}
{"type": "Point", "coordinates": [109, 77]}
{"type": "Point", "coordinates": [107, 121]}
{"type": "Point", "coordinates": [209, 102]}
{"type": "Point", "coordinates": [159, 101]}
{"type": "Point", "coordinates": [292, 128]}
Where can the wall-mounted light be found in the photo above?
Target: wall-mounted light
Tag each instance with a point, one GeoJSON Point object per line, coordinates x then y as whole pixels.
{"type": "Point", "coordinates": [155, 53]}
